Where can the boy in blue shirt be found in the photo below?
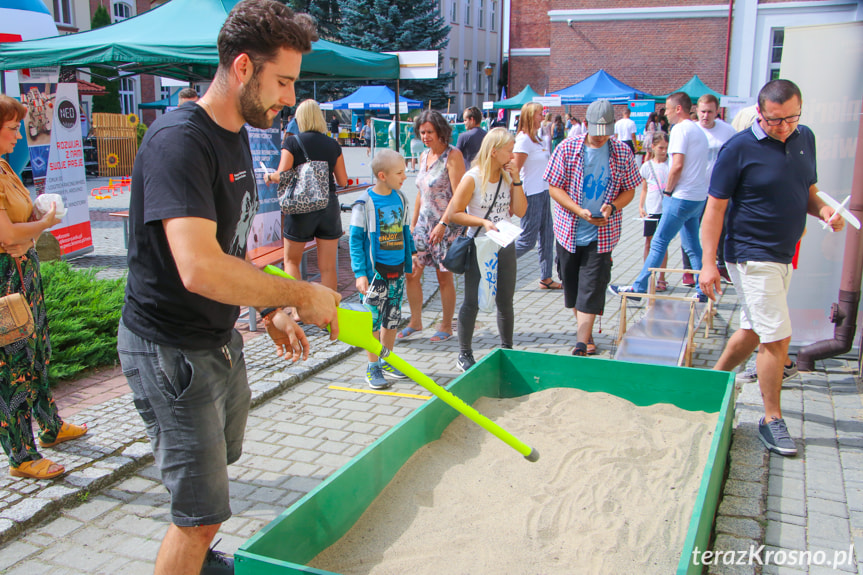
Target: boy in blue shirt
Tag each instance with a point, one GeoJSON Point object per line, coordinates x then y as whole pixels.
{"type": "Point", "coordinates": [381, 250]}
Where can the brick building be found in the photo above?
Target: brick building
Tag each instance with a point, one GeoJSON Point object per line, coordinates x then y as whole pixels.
{"type": "Point", "coordinates": [657, 45]}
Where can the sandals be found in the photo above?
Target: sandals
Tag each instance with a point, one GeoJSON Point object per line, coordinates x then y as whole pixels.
{"type": "Point", "coordinates": [407, 332]}
{"type": "Point", "coordinates": [37, 469]}
{"type": "Point", "coordinates": [440, 336]}
{"type": "Point", "coordinates": [549, 284]}
{"type": "Point", "coordinates": [661, 285]}
{"type": "Point", "coordinates": [67, 431]}
{"type": "Point", "coordinates": [590, 347]}
{"type": "Point", "coordinates": [580, 350]}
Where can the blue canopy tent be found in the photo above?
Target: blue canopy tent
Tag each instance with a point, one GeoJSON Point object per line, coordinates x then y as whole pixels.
{"type": "Point", "coordinates": [370, 98]}
{"type": "Point", "coordinates": [600, 85]}
{"type": "Point", "coordinates": [171, 101]}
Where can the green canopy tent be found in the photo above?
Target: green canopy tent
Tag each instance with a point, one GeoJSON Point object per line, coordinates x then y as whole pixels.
{"type": "Point", "coordinates": [178, 40]}
{"type": "Point", "coordinates": [517, 101]}
{"type": "Point", "coordinates": [694, 88]}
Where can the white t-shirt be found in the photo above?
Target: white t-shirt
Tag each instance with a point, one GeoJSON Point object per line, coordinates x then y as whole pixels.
{"type": "Point", "coordinates": [720, 133]}
{"type": "Point", "coordinates": [657, 179]}
{"type": "Point", "coordinates": [625, 129]}
{"type": "Point", "coordinates": [688, 139]}
{"type": "Point", "coordinates": [534, 164]}
{"type": "Point", "coordinates": [478, 205]}
{"type": "Point", "coordinates": [576, 131]}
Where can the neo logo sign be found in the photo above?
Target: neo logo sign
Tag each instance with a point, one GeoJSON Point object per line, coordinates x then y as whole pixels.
{"type": "Point", "coordinates": [67, 113]}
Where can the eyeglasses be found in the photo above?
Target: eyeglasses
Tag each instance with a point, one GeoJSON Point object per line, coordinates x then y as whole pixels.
{"type": "Point", "coordinates": [15, 128]}
{"type": "Point", "coordinates": [776, 121]}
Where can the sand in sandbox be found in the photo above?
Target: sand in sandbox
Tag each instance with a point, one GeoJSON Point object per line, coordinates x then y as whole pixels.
{"type": "Point", "coordinates": [612, 492]}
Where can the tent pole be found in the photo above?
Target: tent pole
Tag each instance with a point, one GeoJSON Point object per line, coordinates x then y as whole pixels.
{"type": "Point", "coordinates": [398, 117]}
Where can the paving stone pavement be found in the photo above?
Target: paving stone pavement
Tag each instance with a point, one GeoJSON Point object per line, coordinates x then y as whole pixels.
{"type": "Point", "coordinates": [110, 513]}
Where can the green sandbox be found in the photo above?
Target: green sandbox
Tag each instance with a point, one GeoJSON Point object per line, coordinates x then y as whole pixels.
{"type": "Point", "coordinates": [324, 515]}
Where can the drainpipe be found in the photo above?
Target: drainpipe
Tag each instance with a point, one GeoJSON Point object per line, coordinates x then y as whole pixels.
{"type": "Point", "coordinates": [727, 47]}
{"type": "Point", "coordinates": [844, 313]}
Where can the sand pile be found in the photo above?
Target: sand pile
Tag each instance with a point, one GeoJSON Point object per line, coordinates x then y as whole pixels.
{"type": "Point", "coordinates": [612, 493]}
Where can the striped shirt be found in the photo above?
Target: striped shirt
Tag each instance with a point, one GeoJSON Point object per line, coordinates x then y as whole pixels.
{"type": "Point", "coordinates": [566, 171]}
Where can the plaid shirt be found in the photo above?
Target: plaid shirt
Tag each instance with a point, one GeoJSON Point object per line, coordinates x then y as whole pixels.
{"type": "Point", "coordinates": [565, 170]}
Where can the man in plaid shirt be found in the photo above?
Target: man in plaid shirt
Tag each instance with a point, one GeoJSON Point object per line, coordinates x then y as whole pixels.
{"type": "Point", "coordinates": [591, 179]}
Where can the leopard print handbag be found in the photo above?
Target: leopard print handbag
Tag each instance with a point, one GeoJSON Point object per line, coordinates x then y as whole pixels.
{"type": "Point", "coordinates": [305, 188]}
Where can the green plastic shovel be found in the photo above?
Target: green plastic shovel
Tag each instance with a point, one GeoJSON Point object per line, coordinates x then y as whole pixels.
{"type": "Point", "coordinates": [355, 328]}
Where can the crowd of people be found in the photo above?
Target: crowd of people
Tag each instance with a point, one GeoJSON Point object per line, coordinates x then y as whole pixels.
{"type": "Point", "coordinates": [193, 191]}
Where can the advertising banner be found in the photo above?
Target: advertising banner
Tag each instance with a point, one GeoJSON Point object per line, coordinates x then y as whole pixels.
{"type": "Point", "coordinates": [639, 111]}
{"type": "Point", "coordinates": [37, 94]}
{"type": "Point", "coordinates": [65, 172]}
{"type": "Point", "coordinates": [832, 98]}
{"type": "Point", "coordinates": [266, 149]}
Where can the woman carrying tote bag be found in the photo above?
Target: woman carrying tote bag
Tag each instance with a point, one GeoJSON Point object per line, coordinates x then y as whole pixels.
{"type": "Point", "coordinates": [488, 193]}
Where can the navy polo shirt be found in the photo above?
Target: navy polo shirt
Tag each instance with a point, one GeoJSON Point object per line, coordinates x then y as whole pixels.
{"type": "Point", "coordinates": [767, 183]}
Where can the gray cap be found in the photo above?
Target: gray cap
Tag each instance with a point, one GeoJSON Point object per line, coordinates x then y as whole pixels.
{"type": "Point", "coordinates": [600, 118]}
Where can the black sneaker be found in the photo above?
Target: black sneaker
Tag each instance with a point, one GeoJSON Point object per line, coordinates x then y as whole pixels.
{"type": "Point", "coordinates": [465, 361]}
{"type": "Point", "coordinates": [775, 437]}
{"type": "Point", "coordinates": [217, 563]}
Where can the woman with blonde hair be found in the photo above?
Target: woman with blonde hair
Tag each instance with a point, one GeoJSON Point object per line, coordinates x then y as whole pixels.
{"type": "Point", "coordinates": [531, 158]}
{"type": "Point", "coordinates": [488, 193]}
{"type": "Point", "coordinates": [324, 226]}
{"type": "Point", "coordinates": [24, 389]}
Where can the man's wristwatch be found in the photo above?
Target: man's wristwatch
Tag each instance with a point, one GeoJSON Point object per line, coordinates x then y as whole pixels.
{"type": "Point", "coordinates": [613, 208]}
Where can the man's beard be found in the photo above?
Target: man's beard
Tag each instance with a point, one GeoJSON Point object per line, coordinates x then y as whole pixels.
{"type": "Point", "coordinates": [250, 106]}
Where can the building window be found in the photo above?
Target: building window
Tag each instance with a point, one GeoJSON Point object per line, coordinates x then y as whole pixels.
{"type": "Point", "coordinates": [467, 12]}
{"type": "Point", "coordinates": [493, 15]}
{"type": "Point", "coordinates": [466, 76]}
{"type": "Point", "coordinates": [453, 13]}
{"type": "Point", "coordinates": [480, 72]}
{"type": "Point", "coordinates": [776, 42]}
{"type": "Point", "coordinates": [490, 79]}
{"type": "Point", "coordinates": [122, 11]}
{"type": "Point", "coordinates": [480, 16]}
{"type": "Point", "coordinates": [63, 12]}
{"type": "Point", "coordinates": [453, 68]}
{"type": "Point", "coordinates": [127, 96]}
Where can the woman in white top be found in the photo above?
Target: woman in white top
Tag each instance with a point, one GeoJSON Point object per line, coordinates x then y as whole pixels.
{"type": "Point", "coordinates": [576, 130]}
{"type": "Point", "coordinates": [493, 173]}
{"type": "Point", "coordinates": [655, 175]}
{"type": "Point", "coordinates": [531, 158]}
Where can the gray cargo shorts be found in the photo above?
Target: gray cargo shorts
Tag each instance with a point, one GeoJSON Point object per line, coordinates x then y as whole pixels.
{"type": "Point", "coordinates": [194, 404]}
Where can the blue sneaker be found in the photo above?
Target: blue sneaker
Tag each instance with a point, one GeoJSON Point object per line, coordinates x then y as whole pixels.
{"type": "Point", "coordinates": [375, 377]}
{"type": "Point", "coordinates": [617, 290]}
{"type": "Point", "coordinates": [390, 371]}
{"type": "Point", "coordinates": [775, 437]}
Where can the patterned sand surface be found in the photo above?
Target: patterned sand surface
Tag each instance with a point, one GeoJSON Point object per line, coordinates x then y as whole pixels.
{"type": "Point", "coordinates": [612, 493]}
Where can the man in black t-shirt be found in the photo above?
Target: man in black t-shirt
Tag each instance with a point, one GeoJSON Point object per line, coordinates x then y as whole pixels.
{"type": "Point", "coordinates": [193, 202]}
{"type": "Point", "coordinates": [470, 140]}
{"type": "Point", "coordinates": [334, 127]}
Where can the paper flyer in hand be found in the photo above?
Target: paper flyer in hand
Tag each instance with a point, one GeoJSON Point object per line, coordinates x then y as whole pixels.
{"type": "Point", "coordinates": [506, 233]}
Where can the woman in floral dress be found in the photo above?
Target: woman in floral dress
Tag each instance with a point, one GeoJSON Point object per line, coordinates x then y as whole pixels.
{"type": "Point", "coordinates": [440, 170]}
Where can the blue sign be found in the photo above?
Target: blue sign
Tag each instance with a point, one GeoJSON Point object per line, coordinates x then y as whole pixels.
{"type": "Point", "coordinates": [640, 110]}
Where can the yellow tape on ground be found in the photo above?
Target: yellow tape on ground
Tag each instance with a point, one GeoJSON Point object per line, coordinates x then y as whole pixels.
{"type": "Point", "coordinates": [376, 392]}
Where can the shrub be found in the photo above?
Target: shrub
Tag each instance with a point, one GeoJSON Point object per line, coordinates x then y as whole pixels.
{"type": "Point", "coordinates": [83, 314]}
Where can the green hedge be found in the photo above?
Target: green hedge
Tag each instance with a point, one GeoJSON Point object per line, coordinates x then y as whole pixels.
{"type": "Point", "coordinates": [83, 314]}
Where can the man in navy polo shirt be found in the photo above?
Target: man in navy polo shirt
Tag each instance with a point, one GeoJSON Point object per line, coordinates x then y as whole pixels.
{"type": "Point", "coordinates": [768, 173]}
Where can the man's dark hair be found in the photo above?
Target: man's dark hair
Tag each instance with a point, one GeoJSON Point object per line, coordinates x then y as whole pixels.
{"type": "Point", "coordinates": [474, 114]}
{"type": "Point", "coordinates": [259, 28]}
{"type": "Point", "coordinates": [681, 99]}
{"type": "Point", "coordinates": [188, 94]}
{"type": "Point", "coordinates": [438, 122]}
{"type": "Point", "coordinates": [778, 92]}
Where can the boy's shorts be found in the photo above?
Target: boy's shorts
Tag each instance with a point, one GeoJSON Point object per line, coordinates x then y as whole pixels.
{"type": "Point", "coordinates": [650, 227]}
{"type": "Point", "coordinates": [585, 275]}
{"type": "Point", "coordinates": [194, 404]}
{"type": "Point", "coordinates": [384, 300]}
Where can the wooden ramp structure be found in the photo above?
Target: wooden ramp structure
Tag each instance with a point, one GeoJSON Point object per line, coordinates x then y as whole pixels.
{"type": "Point", "coordinates": [665, 334]}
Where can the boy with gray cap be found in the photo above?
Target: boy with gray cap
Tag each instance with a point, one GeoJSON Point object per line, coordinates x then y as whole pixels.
{"type": "Point", "coordinates": [591, 178]}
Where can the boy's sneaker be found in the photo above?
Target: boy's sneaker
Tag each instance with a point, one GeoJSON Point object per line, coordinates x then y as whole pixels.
{"type": "Point", "coordinates": [750, 374]}
{"type": "Point", "coordinates": [617, 290]}
{"type": "Point", "coordinates": [375, 377]}
{"type": "Point", "coordinates": [775, 437]}
{"type": "Point", "coordinates": [789, 371]}
{"type": "Point", "coordinates": [217, 563]}
{"type": "Point", "coordinates": [465, 361]}
{"type": "Point", "coordinates": [390, 371]}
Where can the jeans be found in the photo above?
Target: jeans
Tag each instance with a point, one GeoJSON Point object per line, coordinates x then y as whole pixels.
{"type": "Point", "coordinates": [537, 223]}
{"type": "Point", "coordinates": [682, 216]}
{"type": "Point", "coordinates": [506, 273]}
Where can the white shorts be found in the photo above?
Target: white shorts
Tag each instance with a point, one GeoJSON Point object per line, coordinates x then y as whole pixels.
{"type": "Point", "coordinates": [762, 289]}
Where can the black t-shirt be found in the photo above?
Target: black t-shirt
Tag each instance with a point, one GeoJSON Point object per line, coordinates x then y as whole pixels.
{"type": "Point", "coordinates": [187, 166]}
{"type": "Point", "coordinates": [468, 144]}
{"type": "Point", "coordinates": [321, 149]}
